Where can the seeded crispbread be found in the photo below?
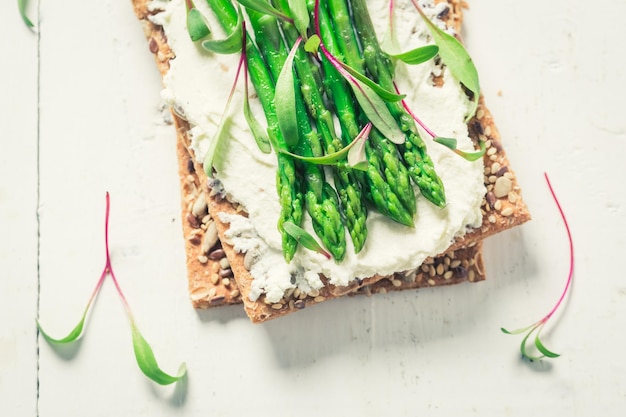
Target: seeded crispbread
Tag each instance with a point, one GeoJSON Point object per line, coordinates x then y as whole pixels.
{"type": "Point", "coordinates": [502, 209]}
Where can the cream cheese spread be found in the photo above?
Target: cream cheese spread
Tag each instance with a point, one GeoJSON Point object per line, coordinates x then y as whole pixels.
{"type": "Point", "coordinates": [198, 84]}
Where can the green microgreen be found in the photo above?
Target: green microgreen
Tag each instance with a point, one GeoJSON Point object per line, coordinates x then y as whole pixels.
{"type": "Point", "coordinates": [354, 152]}
{"type": "Point", "coordinates": [382, 92]}
{"type": "Point", "coordinates": [143, 352]}
{"type": "Point", "coordinates": [418, 55]}
{"type": "Point", "coordinates": [356, 156]}
{"type": "Point", "coordinates": [233, 41]}
{"type": "Point", "coordinates": [455, 56]}
{"type": "Point", "coordinates": [197, 26]}
{"type": "Point", "coordinates": [263, 6]}
{"type": "Point", "coordinates": [285, 99]}
{"type": "Point", "coordinates": [22, 5]}
{"type": "Point", "coordinates": [300, 15]}
{"type": "Point", "coordinates": [312, 44]}
{"type": "Point", "coordinates": [536, 327]}
{"type": "Point", "coordinates": [305, 239]}
{"type": "Point", "coordinates": [450, 143]}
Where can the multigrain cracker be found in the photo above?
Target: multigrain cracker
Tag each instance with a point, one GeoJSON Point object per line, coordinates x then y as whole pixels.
{"type": "Point", "coordinates": [211, 279]}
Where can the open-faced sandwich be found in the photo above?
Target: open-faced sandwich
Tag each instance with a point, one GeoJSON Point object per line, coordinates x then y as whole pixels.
{"type": "Point", "coordinates": [355, 153]}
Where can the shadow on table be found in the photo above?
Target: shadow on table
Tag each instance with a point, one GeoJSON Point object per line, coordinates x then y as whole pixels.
{"type": "Point", "coordinates": [360, 326]}
{"type": "Point", "coordinates": [223, 314]}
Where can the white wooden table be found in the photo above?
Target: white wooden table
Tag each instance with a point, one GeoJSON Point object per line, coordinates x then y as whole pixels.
{"type": "Point", "coordinates": [80, 115]}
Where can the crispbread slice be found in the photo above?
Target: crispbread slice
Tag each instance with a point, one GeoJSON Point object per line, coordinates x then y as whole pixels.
{"type": "Point", "coordinates": [502, 208]}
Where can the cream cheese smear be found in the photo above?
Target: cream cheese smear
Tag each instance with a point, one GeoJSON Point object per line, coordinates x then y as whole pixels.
{"type": "Point", "coordinates": [198, 84]}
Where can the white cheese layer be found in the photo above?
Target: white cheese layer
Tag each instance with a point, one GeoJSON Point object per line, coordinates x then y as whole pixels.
{"type": "Point", "coordinates": [198, 85]}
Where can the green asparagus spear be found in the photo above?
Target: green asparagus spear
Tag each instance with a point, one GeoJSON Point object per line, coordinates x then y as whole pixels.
{"type": "Point", "coordinates": [419, 164]}
{"type": "Point", "coordinates": [287, 184]}
{"type": "Point", "coordinates": [321, 200]}
{"type": "Point", "coordinates": [346, 180]}
{"type": "Point", "coordinates": [388, 185]}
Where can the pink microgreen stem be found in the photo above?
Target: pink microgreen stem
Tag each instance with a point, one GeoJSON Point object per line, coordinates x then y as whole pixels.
{"type": "Point", "coordinates": [538, 325]}
{"type": "Point", "coordinates": [571, 249]}
{"type": "Point", "coordinates": [414, 116]}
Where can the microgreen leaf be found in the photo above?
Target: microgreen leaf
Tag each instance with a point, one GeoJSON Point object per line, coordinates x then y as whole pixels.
{"type": "Point", "coordinates": [457, 59]}
{"type": "Point", "coordinates": [74, 335]}
{"type": "Point", "coordinates": [304, 238]}
{"type": "Point", "coordinates": [538, 326]}
{"type": "Point", "coordinates": [356, 155]}
{"type": "Point", "coordinates": [469, 156]}
{"type": "Point", "coordinates": [377, 112]}
{"type": "Point", "coordinates": [285, 99]}
{"type": "Point", "coordinates": [312, 44]}
{"type": "Point", "coordinates": [418, 55]}
{"type": "Point", "coordinates": [371, 103]}
{"type": "Point", "coordinates": [229, 45]}
{"type": "Point", "coordinates": [148, 364]}
{"type": "Point", "coordinates": [383, 93]}
{"type": "Point", "coordinates": [541, 348]}
{"type": "Point", "coordinates": [301, 17]}
{"type": "Point", "coordinates": [447, 142]}
{"type": "Point", "coordinates": [77, 331]}
{"type": "Point", "coordinates": [334, 157]}
{"type": "Point", "coordinates": [197, 25]}
{"type": "Point", "coordinates": [263, 6]}
{"type": "Point", "coordinates": [518, 331]}
{"type": "Point", "coordinates": [22, 5]}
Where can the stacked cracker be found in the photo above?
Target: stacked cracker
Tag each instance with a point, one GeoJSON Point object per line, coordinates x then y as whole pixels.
{"type": "Point", "coordinates": [218, 275]}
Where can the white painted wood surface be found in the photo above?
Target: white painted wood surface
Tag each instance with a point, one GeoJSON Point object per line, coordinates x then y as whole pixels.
{"type": "Point", "coordinates": [81, 115]}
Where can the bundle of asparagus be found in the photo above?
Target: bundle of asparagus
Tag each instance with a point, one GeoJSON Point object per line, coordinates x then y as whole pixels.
{"type": "Point", "coordinates": [331, 112]}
